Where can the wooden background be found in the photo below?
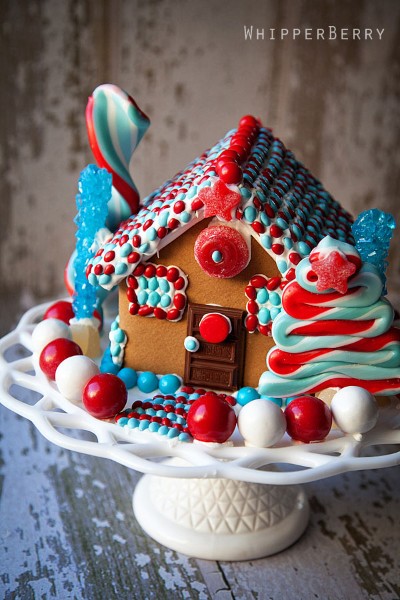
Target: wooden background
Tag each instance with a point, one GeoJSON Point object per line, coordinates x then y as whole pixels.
{"type": "Point", "coordinates": [335, 103]}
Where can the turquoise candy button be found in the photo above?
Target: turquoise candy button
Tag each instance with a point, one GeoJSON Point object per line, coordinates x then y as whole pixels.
{"type": "Point", "coordinates": [147, 382]}
{"type": "Point", "coordinates": [165, 301]}
{"type": "Point", "coordinates": [119, 336]}
{"type": "Point", "coordinates": [264, 316]}
{"type": "Point", "coordinates": [163, 285]}
{"type": "Point", "coordinates": [143, 282]}
{"type": "Point", "coordinates": [250, 214]}
{"type": "Point", "coordinates": [277, 401]}
{"type": "Point", "coordinates": [142, 297]}
{"type": "Point", "coordinates": [169, 384]}
{"type": "Point", "coordinates": [154, 298]}
{"type": "Point", "coordinates": [126, 249]}
{"type": "Point", "coordinates": [262, 296]}
{"type": "Point", "coordinates": [246, 395]}
{"type": "Point", "coordinates": [120, 268]}
{"type": "Point", "coordinates": [275, 312]}
{"type": "Point", "coordinates": [128, 376]}
{"type": "Point", "coordinates": [304, 248]}
{"type": "Point", "coordinates": [153, 283]}
{"type": "Point", "coordinates": [275, 299]}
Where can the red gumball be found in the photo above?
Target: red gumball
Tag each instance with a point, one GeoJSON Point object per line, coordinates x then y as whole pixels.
{"type": "Point", "coordinates": [211, 419]}
{"type": "Point", "coordinates": [61, 310]}
{"type": "Point", "coordinates": [104, 396]}
{"type": "Point", "coordinates": [54, 353]}
{"type": "Point", "coordinates": [308, 419]}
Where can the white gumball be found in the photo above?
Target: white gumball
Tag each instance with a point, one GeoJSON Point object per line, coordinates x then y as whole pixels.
{"type": "Point", "coordinates": [48, 330]}
{"type": "Point", "coordinates": [261, 423]}
{"type": "Point", "coordinates": [354, 409]}
{"type": "Point", "coordinates": [73, 374]}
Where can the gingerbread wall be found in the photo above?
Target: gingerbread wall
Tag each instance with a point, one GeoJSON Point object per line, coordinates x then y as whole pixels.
{"type": "Point", "coordinates": [157, 345]}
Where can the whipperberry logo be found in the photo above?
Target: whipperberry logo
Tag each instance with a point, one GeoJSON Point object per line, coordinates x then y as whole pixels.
{"type": "Point", "coordinates": [329, 33]}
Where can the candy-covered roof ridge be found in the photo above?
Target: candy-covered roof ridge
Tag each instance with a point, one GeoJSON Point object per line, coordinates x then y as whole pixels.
{"type": "Point", "coordinates": [271, 193]}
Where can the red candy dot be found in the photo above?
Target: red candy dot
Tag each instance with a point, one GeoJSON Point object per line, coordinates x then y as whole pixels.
{"type": "Point", "coordinates": [104, 396]}
{"type": "Point", "coordinates": [54, 353]}
{"type": "Point", "coordinates": [248, 120]}
{"type": "Point", "coordinates": [61, 310]}
{"type": "Point", "coordinates": [179, 301]}
{"type": "Point", "coordinates": [161, 271]}
{"type": "Point", "coordinates": [230, 172]}
{"type": "Point", "coordinates": [172, 274]}
{"type": "Point", "coordinates": [258, 281]}
{"type": "Point", "coordinates": [215, 327]}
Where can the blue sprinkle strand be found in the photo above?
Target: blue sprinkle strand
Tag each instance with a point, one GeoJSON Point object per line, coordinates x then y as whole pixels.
{"type": "Point", "coordinates": [91, 202]}
{"type": "Point", "coordinates": [373, 230]}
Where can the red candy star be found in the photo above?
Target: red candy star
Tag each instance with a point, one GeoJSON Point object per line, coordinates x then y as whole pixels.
{"type": "Point", "coordinates": [333, 272]}
{"type": "Point", "coordinates": [219, 200]}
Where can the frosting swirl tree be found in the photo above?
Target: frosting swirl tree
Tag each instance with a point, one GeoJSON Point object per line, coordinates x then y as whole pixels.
{"type": "Point", "coordinates": [335, 328]}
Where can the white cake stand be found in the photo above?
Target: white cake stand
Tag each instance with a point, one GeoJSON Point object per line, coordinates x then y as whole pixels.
{"type": "Point", "coordinates": [212, 501]}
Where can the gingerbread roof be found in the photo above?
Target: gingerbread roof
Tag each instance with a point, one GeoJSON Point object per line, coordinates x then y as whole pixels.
{"type": "Point", "coordinates": [248, 177]}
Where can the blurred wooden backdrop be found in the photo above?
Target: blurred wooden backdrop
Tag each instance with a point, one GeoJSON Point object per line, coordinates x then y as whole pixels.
{"type": "Point", "coordinates": [335, 103]}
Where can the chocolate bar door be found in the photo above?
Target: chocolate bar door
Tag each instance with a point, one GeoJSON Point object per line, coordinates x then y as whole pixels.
{"type": "Point", "coordinates": [216, 365]}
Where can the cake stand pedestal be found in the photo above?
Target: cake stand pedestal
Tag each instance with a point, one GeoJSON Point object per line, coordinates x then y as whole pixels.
{"type": "Point", "coordinates": [213, 501]}
{"type": "Point", "coordinates": [220, 519]}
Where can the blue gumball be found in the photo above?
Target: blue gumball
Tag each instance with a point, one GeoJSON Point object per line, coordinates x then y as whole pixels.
{"type": "Point", "coordinates": [107, 365]}
{"type": "Point", "coordinates": [169, 384]}
{"type": "Point", "coordinates": [147, 382]}
{"type": "Point", "coordinates": [277, 401]}
{"type": "Point", "coordinates": [129, 377]}
{"type": "Point", "coordinates": [246, 395]}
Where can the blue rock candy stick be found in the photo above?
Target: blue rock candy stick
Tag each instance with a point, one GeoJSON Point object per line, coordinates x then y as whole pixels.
{"type": "Point", "coordinates": [94, 193]}
{"type": "Point", "coordinates": [373, 230]}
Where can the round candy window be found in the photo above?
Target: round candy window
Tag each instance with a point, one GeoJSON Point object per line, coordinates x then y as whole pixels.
{"type": "Point", "coordinates": [221, 251]}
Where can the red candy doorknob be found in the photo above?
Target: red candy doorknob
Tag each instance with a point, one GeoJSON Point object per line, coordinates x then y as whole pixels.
{"type": "Point", "coordinates": [215, 328]}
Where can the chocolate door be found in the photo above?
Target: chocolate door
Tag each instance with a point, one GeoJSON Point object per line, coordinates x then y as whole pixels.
{"type": "Point", "coordinates": [216, 365]}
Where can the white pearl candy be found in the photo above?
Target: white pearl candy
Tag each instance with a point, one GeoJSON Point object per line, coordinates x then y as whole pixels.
{"type": "Point", "coordinates": [354, 409]}
{"type": "Point", "coordinates": [73, 374]}
{"type": "Point", "coordinates": [261, 423]}
{"type": "Point", "coordinates": [48, 330]}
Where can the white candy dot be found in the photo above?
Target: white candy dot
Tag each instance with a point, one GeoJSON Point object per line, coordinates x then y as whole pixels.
{"type": "Point", "coordinates": [48, 330]}
{"type": "Point", "coordinates": [261, 423]}
{"type": "Point", "coordinates": [73, 374]}
{"type": "Point", "coordinates": [354, 409]}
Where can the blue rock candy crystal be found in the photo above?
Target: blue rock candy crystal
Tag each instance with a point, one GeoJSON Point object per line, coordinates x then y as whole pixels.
{"type": "Point", "coordinates": [91, 202]}
{"type": "Point", "coordinates": [373, 230]}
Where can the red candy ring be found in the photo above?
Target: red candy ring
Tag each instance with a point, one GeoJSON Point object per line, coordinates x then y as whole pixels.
{"type": "Point", "coordinates": [221, 251]}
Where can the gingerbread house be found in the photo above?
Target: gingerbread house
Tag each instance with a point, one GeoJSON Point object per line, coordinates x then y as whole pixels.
{"type": "Point", "coordinates": [202, 265]}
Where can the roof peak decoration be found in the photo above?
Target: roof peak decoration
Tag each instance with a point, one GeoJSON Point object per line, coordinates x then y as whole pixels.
{"type": "Point", "coordinates": [270, 194]}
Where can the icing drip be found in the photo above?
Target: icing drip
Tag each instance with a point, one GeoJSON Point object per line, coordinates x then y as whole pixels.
{"type": "Point", "coordinates": [118, 341]}
{"type": "Point", "coordinates": [328, 339]}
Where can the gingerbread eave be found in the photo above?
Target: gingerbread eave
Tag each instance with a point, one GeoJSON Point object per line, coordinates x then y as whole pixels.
{"type": "Point", "coordinates": [278, 202]}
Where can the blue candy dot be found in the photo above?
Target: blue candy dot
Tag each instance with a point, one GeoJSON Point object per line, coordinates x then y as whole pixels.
{"type": "Point", "coordinates": [107, 365]}
{"type": "Point", "coordinates": [168, 384]}
{"type": "Point", "coordinates": [129, 377]}
{"type": "Point", "coordinates": [147, 382]}
{"type": "Point", "coordinates": [277, 401]}
{"type": "Point", "coordinates": [154, 298]}
{"type": "Point", "coordinates": [275, 299]}
{"type": "Point", "coordinates": [246, 395]}
{"type": "Point", "coordinates": [216, 256]}
{"type": "Point", "coordinates": [165, 301]}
